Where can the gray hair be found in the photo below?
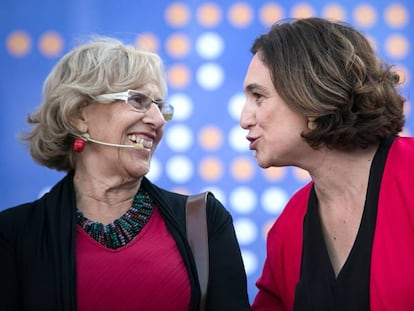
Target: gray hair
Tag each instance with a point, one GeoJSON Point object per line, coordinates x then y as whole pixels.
{"type": "Point", "coordinates": [103, 65]}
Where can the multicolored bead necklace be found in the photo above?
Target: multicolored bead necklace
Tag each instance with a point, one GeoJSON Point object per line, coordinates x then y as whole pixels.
{"type": "Point", "coordinates": [124, 229]}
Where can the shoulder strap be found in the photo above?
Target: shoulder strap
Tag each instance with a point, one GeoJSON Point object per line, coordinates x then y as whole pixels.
{"type": "Point", "coordinates": [197, 235]}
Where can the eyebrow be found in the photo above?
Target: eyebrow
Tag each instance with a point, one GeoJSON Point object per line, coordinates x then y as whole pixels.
{"type": "Point", "coordinates": [254, 86]}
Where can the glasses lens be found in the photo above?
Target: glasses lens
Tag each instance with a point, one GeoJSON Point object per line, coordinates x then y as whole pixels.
{"type": "Point", "coordinates": [168, 112]}
{"type": "Point", "coordinates": [139, 101]}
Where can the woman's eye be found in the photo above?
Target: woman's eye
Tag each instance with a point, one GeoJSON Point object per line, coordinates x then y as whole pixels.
{"type": "Point", "coordinates": [138, 101]}
{"type": "Point", "coordinates": [257, 95]}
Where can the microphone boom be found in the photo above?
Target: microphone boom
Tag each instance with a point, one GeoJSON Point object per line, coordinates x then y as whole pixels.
{"type": "Point", "coordinates": [136, 146]}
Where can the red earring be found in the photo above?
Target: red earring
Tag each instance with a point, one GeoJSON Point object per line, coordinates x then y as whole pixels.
{"type": "Point", "coordinates": [78, 145]}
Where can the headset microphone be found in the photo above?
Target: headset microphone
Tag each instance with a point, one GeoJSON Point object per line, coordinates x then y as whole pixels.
{"type": "Point", "coordinates": [137, 146]}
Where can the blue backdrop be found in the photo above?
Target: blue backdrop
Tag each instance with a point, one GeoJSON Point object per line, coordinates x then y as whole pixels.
{"type": "Point", "coordinates": [205, 46]}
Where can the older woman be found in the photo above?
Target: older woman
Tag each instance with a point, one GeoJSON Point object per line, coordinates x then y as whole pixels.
{"type": "Point", "coordinates": [105, 237]}
{"type": "Point", "coordinates": [318, 98]}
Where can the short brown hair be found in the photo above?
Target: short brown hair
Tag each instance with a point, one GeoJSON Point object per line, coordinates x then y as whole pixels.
{"type": "Point", "coordinates": [328, 70]}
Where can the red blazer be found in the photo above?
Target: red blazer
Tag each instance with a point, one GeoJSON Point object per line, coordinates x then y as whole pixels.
{"type": "Point", "coordinates": [392, 263]}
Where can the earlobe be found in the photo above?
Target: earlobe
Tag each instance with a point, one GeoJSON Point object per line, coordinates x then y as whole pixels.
{"type": "Point", "coordinates": [312, 123]}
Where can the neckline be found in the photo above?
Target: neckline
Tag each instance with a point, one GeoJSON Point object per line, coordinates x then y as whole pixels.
{"type": "Point", "coordinates": [318, 287]}
{"type": "Point", "coordinates": [122, 230]}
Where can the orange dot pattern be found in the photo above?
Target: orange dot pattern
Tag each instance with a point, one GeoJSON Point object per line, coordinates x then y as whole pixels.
{"type": "Point", "coordinates": [18, 43]}
{"type": "Point", "coordinates": [274, 174]}
{"type": "Point", "coordinates": [179, 76]}
{"type": "Point", "coordinates": [211, 137]}
{"type": "Point", "coordinates": [211, 169]}
{"type": "Point", "coordinates": [397, 46]}
{"type": "Point", "coordinates": [271, 12]}
{"type": "Point", "coordinates": [148, 42]}
{"type": "Point", "coordinates": [177, 15]}
{"type": "Point", "coordinates": [243, 168]}
{"type": "Point", "coordinates": [209, 15]}
{"type": "Point", "coordinates": [302, 11]}
{"type": "Point", "coordinates": [334, 11]}
{"type": "Point", "coordinates": [240, 15]}
{"type": "Point", "coordinates": [396, 16]}
{"type": "Point", "coordinates": [51, 44]}
{"type": "Point", "coordinates": [365, 15]}
{"type": "Point", "coordinates": [178, 45]}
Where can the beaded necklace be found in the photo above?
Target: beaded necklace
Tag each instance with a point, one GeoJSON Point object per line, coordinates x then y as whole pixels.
{"type": "Point", "coordinates": [124, 229]}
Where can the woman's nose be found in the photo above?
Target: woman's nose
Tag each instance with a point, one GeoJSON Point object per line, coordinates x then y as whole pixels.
{"type": "Point", "coordinates": [154, 113]}
{"type": "Point", "coordinates": [246, 117]}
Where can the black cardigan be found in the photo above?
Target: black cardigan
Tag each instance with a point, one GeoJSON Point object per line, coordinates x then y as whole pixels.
{"type": "Point", "coordinates": [37, 252]}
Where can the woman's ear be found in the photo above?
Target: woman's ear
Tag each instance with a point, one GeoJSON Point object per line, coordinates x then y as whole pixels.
{"type": "Point", "coordinates": [79, 121]}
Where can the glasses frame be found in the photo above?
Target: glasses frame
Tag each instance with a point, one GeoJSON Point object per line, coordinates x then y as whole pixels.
{"type": "Point", "coordinates": [167, 110]}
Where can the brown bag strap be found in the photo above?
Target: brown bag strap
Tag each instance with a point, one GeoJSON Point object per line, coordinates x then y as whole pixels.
{"type": "Point", "coordinates": [197, 236]}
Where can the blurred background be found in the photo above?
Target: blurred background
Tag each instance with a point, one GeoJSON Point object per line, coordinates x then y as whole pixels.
{"type": "Point", "coordinates": [206, 49]}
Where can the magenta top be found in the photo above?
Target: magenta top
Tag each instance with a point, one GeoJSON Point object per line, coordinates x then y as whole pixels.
{"type": "Point", "coordinates": [146, 274]}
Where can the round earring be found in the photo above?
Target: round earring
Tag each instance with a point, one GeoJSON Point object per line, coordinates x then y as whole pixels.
{"type": "Point", "coordinates": [78, 144]}
{"type": "Point", "coordinates": [312, 125]}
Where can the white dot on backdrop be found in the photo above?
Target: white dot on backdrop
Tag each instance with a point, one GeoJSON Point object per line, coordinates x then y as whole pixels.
{"type": "Point", "coordinates": [179, 137]}
{"type": "Point", "coordinates": [183, 106]}
{"type": "Point", "coordinates": [218, 193]}
{"type": "Point", "coordinates": [235, 107]}
{"type": "Point", "coordinates": [246, 230]}
{"type": "Point", "coordinates": [210, 76]}
{"type": "Point", "coordinates": [274, 199]}
{"type": "Point", "coordinates": [179, 169]}
{"type": "Point", "coordinates": [250, 261]}
{"type": "Point", "coordinates": [237, 139]}
{"type": "Point", "coordinates": [209, 45]}
{"type": "Point", "coordinates": [243, 200]}
{"type": "Point", "coordinates": [155, 170]}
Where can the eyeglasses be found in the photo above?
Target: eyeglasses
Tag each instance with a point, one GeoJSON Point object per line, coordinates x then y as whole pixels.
{"type": "Point", "coordinates": [139, 101]}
